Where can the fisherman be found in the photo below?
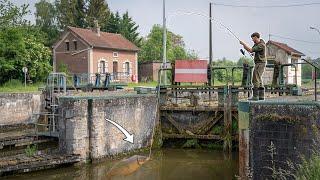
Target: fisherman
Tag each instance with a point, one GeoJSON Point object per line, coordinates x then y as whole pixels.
{"type": "Point", "coordinates": [259, 50]}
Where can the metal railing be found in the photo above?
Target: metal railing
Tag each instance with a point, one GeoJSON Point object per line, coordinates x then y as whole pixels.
{"type": "Point", "coordinates": [83, 79]}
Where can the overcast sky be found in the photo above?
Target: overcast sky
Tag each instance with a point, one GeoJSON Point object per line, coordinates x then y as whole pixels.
{"type": "Point", "coordinates": [293, 22]}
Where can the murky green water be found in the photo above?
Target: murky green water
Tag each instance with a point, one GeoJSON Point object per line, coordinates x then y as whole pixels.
{"type": "Point", "coordinates": [165, 164]}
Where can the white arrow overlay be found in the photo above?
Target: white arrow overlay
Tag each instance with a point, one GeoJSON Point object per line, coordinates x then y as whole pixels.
{"type": "Point", "coordinates": [129, 137]}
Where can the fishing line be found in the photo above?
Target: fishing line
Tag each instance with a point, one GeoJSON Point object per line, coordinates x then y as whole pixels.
{"type": "Point", "coordinates": [179, 12]}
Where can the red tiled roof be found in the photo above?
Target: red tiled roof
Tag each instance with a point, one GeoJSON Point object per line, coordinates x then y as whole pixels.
{"type": "Point", "coordinates": [105, 40]}
{"type": "Point", "coordinates": [286, 48]}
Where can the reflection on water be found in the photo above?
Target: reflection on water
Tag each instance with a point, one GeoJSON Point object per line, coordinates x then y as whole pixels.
{"type": "Point", "coordinates": [165, 164]}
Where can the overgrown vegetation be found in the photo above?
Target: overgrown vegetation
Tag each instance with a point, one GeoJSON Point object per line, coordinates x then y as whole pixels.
{"type": "Point", "coordinates": [191, 143]}
{"type": "Point", "coordinates": [309, 168]}
{"type": "Point", "coordinates": [31, 150]}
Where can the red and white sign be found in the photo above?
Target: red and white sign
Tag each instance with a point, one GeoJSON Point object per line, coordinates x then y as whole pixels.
{"type": "Point", "coordinates": [191, 71]}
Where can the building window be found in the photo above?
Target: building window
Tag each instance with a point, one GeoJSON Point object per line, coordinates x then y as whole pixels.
{"type": "Point", "coordinates": [102, 67]}
{"type": "Point", "coordinates": [75, 45]}
{"type": "Point", "coordinates": [115, 54]}
{"type": "Point", "coordinates": [127, 68]}
{"type": "Point", "coordinates": [67, 46]}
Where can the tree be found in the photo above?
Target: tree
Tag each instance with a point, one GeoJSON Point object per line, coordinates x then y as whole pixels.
{"type": "Point", "coordinates": [46, 20]}
{"type": "Point", "coordinates": [71, 13]}
{"type": "Point", "coordinates": [151, 48]}
{"type": "Point", "coordinates": [11, 15]}
{"type": "Point", "coordinates": [80, 13]}
{"type": "Point", "coordinates": [129, 29]}
{"type": "Point", "coordinates": [113, 23]}
{"type": "Point", "coordinates": [97, 10]}
{"type": "Point", "coordinates": [123, 25]}
{"type": "Point", "coordinates": [19, 47]}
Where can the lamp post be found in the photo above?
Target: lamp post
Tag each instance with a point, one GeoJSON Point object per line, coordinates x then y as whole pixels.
{"type": "Point", "coordinates": [315, 70]}
{"type": "Point", "coordinates": [25, 70]}
{"type": "Point", "coordinates": [316, 29]}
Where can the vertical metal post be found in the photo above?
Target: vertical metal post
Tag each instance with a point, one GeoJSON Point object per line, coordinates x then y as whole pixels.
{"type": "Point", "coordinates": [210, 42]}
{"type": "Point", "coordinates": [315, 83]}
{"type": "Point", "coordinates": [25, 79]}
{"type": "Point", "coordinates": [164, 56]}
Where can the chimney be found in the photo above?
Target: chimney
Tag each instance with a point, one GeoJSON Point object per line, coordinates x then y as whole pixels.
{"type": "Point", "coordinates": [96, 28]}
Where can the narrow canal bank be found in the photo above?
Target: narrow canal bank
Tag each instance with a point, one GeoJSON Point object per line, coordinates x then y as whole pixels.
{"type": "Point", "coordinates": [164, 164]}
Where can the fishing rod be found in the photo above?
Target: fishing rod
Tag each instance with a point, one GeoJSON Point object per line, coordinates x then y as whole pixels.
{"type": "Point", "coordinates": [215, 20]}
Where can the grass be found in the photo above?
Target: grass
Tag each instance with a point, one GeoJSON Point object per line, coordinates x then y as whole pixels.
{"type": "Point", "coordinates": [148, 84]}
{"type": "Point", "coordinates": [17, 86]}
{"type": "Point", "coordinates": [307, 83]}
{"type": "Point", "coordinates": [310, 168]}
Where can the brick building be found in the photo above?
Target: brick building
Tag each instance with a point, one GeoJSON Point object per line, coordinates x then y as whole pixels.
{"type": "Point", "coordinates": [283, 54]}
{"type": "Point", "coordinates": [89, 51]}
{"type": "Point", "coordinates": [148, 71]}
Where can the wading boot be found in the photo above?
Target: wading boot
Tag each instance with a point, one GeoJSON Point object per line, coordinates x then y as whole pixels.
{"type": "Point", "coordinates": [255, 95]}
{"type": "Point", "coordinates": [261, 93]}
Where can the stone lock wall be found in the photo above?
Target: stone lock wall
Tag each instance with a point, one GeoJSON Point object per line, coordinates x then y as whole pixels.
{"type": "Point", "coordinates": [18, 108]}
{"type": "Point", "coordinates": [73, 126]}
{"type": "Point", "coordinates": [85, 131]}
{"type": "Point", "coordinates": [289, 128]}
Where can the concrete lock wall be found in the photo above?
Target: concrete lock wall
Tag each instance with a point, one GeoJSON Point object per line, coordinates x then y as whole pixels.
{"type": "Point", "coordinates": [84, 130]}
{"type": "Point", "coordinates": [273, 133]}
{"type": "Point", "coordinates": [18, 108]}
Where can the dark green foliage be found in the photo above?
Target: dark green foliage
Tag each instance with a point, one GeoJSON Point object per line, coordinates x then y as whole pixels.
{"type": "Point", "coordinates": [191, 143]}
{"type": "Point", "coordinates": [71, 13]}
{"type": "Point", "coordinates": [46, 20]}
{"type": "Point", "coordinates": [113, 24]}
{"type": "Point", "coordinates": [123, 25]}
{"type": "Point", "coordinates": [97, 10]}
{"type": "Point", "coordinates": [80, 13]}
{"type": "Point", "coordinates": [129, 29]}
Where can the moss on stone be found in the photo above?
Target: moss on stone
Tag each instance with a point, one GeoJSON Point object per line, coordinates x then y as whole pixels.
{"type": "Point", "coordinates": [157, 137]}
{"type": "Point", "coordinates": [276, 117]}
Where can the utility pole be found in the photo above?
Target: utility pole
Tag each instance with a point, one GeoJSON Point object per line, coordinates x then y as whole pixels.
{"type": "Point", "coordinates": [210, 44]}
{"type": "Point", "coordinates": [164, 56]}
{"type": "Point", "coordinates": [315, 70]}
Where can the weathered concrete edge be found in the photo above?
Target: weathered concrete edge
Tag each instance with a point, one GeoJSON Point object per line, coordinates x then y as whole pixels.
{"type": "Point", "coordinates": [266, 102]}
{"type": "Point", "coordinates": [113, 96]}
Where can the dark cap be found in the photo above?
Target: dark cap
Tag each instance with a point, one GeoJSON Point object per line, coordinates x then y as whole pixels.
{"type": "Point", "coordinates": [255, 34]}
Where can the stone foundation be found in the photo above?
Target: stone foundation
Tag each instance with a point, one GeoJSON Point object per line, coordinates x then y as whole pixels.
{"type": "Point", "coordinates": [83, 128]}
{"type": "Point", "coordinates": [18, 108]}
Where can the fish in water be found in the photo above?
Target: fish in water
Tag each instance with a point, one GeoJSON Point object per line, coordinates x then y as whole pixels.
{"type": "Point", "coordinates": [127, 166]}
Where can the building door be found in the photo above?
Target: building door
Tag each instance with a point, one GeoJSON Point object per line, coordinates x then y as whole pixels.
{"type": "Point", "coordinates": [102, 67]}
{"type": "Point", "coordinates": [115, 69]}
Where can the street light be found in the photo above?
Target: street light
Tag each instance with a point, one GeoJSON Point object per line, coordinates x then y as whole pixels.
{"type": "Point", "coordinates": [315, 70]}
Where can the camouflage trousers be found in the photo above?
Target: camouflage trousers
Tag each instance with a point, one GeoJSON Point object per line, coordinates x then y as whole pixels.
{"type": "Point", "coordinates": [257, 75]}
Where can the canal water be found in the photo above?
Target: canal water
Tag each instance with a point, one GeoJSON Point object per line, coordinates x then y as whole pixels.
{"type": "Point", "coordinates": [165, 164]}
